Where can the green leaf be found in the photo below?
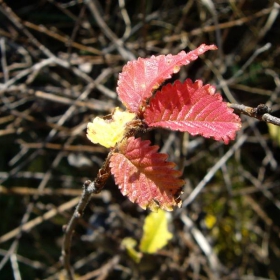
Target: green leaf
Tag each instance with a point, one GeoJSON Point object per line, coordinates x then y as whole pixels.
{"type": "Point", "coordinates": [156, 234]}
{"type": "Point", "coordinates": [129, 243]}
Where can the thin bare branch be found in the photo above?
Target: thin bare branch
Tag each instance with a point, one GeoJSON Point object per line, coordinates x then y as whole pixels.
{"type": "Point", "coordinates": [213, 170]}
{"type": "Point", "coordinates": [32, 223]}
{"type": "Point", "coordinates": [203, 244]}
{"type": "Point", "coordinates": [89, 188]}
{"type": "Point", "coordinates": [261, 112]}
{"type": "Point", "coordinates": [127, 55]}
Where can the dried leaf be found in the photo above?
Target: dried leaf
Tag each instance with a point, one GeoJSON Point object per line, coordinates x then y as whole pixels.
{"type": "Point", "coordinates": [145, 176]}
{"type": "Point", "coordinates": [140, 78]}
{"type": "Point", "coordinates": [194, 108]}
{"type": "Point", "coordinates": [107, 132]}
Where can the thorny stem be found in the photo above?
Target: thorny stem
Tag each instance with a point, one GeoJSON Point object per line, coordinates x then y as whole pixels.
{"type": "Point", "coordinates": [261, 112]}
{"type": "Point", "coordinates": [89, 188]}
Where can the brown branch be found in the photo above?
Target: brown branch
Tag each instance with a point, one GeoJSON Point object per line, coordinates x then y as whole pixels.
{"type": "Point", "coordinates": [24, 191]}
{"type": "Point", "coordinates": [261, 112]}
{"type": "Point", "coordinates": [93, 105]}
{"type": "Point", "coordinates": [8, 12]}
{"type": "Point", "coordinates": [224, 25]}
{"type": "Point", "coordinates": [67, 148]}
{"type": "Point", "coordinates": [126, 54]}
{"type": "Point", "coordinates": [103, 271]}
{"type": "Point", "coordinates": [25, 227]}
{"type": "Point", "coordinates": [64, 39]}
{"type": "Point", "coordinates": [89, 188]}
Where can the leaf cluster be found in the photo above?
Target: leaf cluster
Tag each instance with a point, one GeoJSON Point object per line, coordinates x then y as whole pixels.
{"type": "Point", "coordinates": [142, 174]}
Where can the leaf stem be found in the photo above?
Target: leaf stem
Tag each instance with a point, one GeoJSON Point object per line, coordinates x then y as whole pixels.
{"type": "Point", "coordinates": [89, 188]}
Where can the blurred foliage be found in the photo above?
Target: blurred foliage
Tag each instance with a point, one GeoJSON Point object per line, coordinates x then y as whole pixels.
{"type": "Point", "coordinates": [274, 132]}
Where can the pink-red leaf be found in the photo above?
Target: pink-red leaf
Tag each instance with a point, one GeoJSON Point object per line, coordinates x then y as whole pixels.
{"type": "Point", "coordinates": [145, 176]}
{"type": "Point", "coordinates": [194, 108]}
{"type": "Point", "coordinates": [141, 77]}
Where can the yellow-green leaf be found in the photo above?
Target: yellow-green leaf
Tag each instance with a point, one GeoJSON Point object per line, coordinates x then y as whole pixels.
{"type": "Point", "coordinates": [156, 234]}
{"type": "Point", "coordinates": [129, 244]}
{"type": "Point", "coordinates": [210, 221]}
{"type": "Point", "coordinates": [274, 132]}
{"type": "Point", "coordinates": [108, 132]}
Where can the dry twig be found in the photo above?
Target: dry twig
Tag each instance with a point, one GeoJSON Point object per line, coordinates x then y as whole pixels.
{"type": "Point", "coordinates": [261, 112]}
{"type": "Point", "coordinates": [89, 188]}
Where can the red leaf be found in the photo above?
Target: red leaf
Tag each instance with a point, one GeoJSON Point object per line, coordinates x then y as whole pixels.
{"type": "Point", "coordinates": [145, 176]}
{"type": "Point", "coordinates": [141, 77]}
{"type": "Point", "coordinates": [194, 108]}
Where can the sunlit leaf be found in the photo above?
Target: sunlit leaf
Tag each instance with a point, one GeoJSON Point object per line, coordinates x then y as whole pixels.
{"type": "Point", "coordinates": [140, 78]}
{"type": "Point", "coordinates": [145, 176]}
{"type": "Point", "coordinates": [107, 132]}
{"type": "Point", "coordinates": [194, 108]}
{"type": "Point", "coordinates": [156, 234]}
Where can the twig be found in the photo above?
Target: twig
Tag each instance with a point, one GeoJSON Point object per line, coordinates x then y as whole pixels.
{"type": "Point", "coordinates": [67, 148]}
{"type": "Point", "coordinates": [8, 12]}
{"type": "Point", "coordinates": [25, 72]}
{"type": "Point", "coordinates": [4, 60]}
{"type": "Point", "coordinates": [225, 83]}
{"type": "Point", "coordinates": [270, 21]}
{"type": "Point", "coordinates": [103, 271]}
{"type": "Point", "coordinates": [126, 19]}
{"type": "Point", "coordinates": [20, 258]}
{"type": "Point", "coordinates": [40, 176]}
{"type": "Point", "coordinates": [23, 190]}
{"type": "Point", "coordinates": [32, 223]}
{"type": "Point", "coordinates": [261, 112]}
{"type": "Point", "coordinates": [52, 59]}
{"type": "Point", "coordinates": [41, 28]}
{"type": "Point", "coordinates": [93, 105]}
{"type": "Point", "coordinates": [127, 55]}
{"type": "Point", "coordinates": [257, 52]}
{"type": "Point", "coordinates": [203, 244]}
{"type": "Point", "coordinates": [213, 171]}
{"type": "Point", "coordinates": [15, 266]}
{"type": "Point", "coordinates": [88, 189]}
